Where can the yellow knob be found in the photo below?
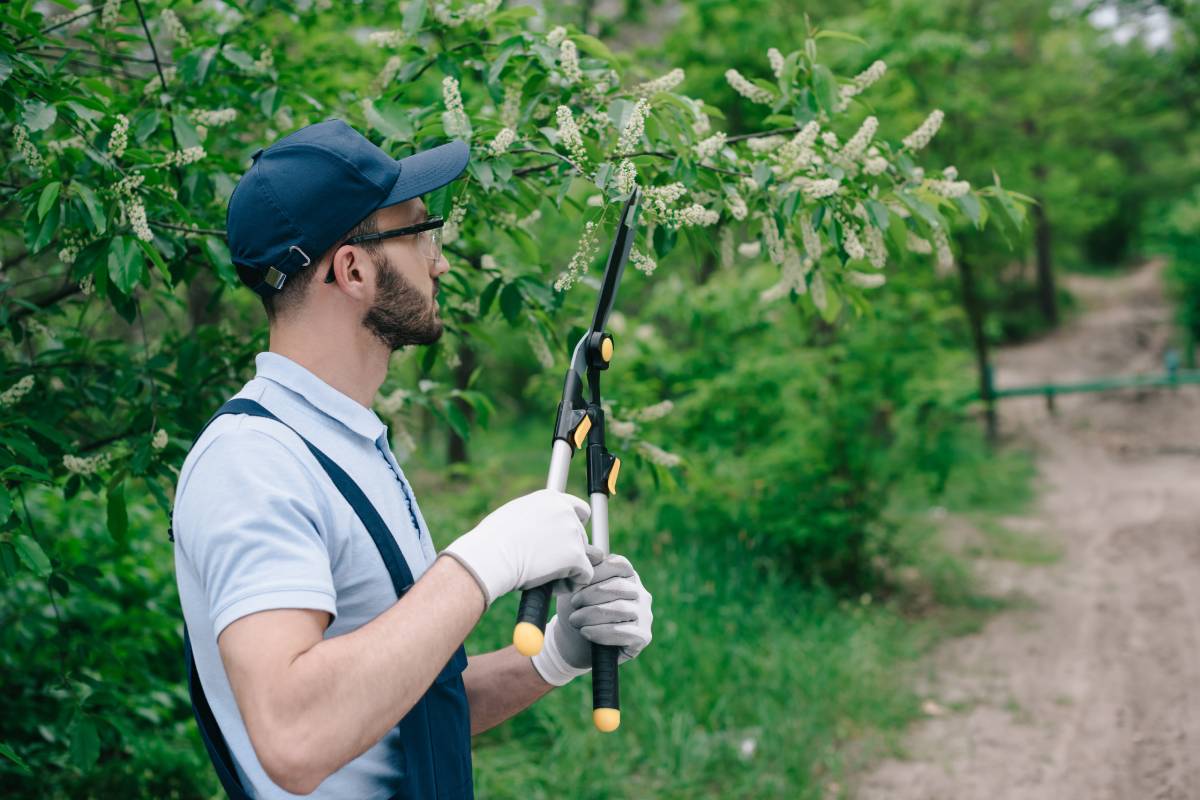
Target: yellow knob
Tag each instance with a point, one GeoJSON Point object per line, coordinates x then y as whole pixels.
{"type": "Point", "coordinates": [607, 719]}
{"type": "Point", "coordinates": [612, 476]}
{"type": "Point", "coordinates": [581, 431]}
{"type": "Point", "coordinates": [606, 349]}
{"type": "Point", "coordinates": [528, 638]}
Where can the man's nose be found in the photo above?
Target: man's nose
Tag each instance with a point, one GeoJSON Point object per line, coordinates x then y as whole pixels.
{"type": "Point", "coordinates": [441, 266]}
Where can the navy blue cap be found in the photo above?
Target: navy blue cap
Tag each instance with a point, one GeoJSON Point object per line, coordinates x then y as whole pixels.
{"type": "Point", "coordinates": [308, 189]}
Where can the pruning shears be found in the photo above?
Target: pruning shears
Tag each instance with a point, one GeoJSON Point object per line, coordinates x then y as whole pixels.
{"type": "Point", "coordinates": [581, 421]}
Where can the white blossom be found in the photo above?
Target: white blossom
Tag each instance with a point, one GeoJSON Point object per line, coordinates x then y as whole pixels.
{"type": "Point", "coordinates": [89, 465]}
{"type": "Point", "coordinates": [642, 261]}
{"type": "Point", "coordinates": [748, 90]}
{"type": "Point", "coordinates": [815, 190]}
{"type": "Point", "coordinates": [774, 242]}
{"type": "Point", "coordinates": [830, 140]}
{"type": "Point", "coordinates": [265, 61]}
{"type": "Point", "coordinates": [108, 16]}
{"type": "Point", "coordinates": [625, 177]}
{"type": "Point", "coordinates": [707, 148]}
{"type": "Point", "coordinates": [749, 249]}
{"type": "Point", "coordinates": [819, 296]}
{"type": "Point", "coordinates": [876, 249]}
{"type": "Point", "coordinates": [654, 412]}
{"type": "Point", "coordinates": [916, 244]}
{"type": "Point", "coordinates": [945, 256]}
{"type": "Point", "coordinates": [173, 28]}
{"type": "Point", "coordinates": [700, 121]}
{"type": "Point", "coordinates": [569, 135]}
{"type": "Point", "coordinates": [181, 158]}
{"type": "Point", "coordinates": [14, 393]}
{"type": "Point", "coordinates": [810, 239]}
{"type": "Point", "coordinates": [87, 285]}
{"type": "Point", "coordinates": [736, 205]}
{"type": "Point", "coordinates": [921, 136]}
{"type": "Point", "coordinates": [541, 350]}
{"type": "Point", "coordinates": [472, 12]}
{"type": "Point", "coordinates": [510, 109]}
{"type": "Point", "coordinates": [28, 150]}
{"type": "Point", "coordinates": [214, 118]}
{"type": "Point", "coordinates": [867, 280]}
{"type": "Point", "coordinates": [765, 144]}
{"type": "Point", "coordinates": [160, 439]}
{"type": "Point", "coordinates": [856, 144]}
{"type": "Point", "coordinates": [860, 83]}
{"type": "Point", "coordinates": [875, 164]}
{"type": "Point", "coordinates": [581, 259]}
{"type": "Point", "coordinates": [556, 35]}
{"type": "Point", "coordinates": [726, 247]}
{"type": "Point", "coordinates": [657, 455]}
{"type": "Point", "coordinates": [393, 38]}
{"type": "Point", "coordinates": [631, 134]}
{"type": "Point", "coordinates": [950, 189]}
{"type": "Point", "coordinates": [391, 404]}
{"type": "Point", "coordinates": [776, 59]}
{"type": "Point", "coordinates": [454, 119]}
{"type": "Point", "coordinates": [664, 83]}
{"type": "Point", "coordinates": [450, 229]}
{"type": "Point", "coordinates": [850, 241]}
{"type": "Point", "coordinates": [137, 219]}
{"type": "Point", "coordinates": [503, 140]}
{"type": "Point", "coordinates": [568, 60]}
{"type": "Point", "coordinates": [127, 185]}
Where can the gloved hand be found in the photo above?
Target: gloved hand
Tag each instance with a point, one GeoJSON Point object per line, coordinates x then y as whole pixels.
{"type": "Point", "coordinates": [526, 542]}
{"type": "Point", "coordinates": [612, 607]}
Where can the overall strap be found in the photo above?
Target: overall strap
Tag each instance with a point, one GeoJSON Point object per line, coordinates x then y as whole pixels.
{"type": "Point", "coordinates": [393, 560]}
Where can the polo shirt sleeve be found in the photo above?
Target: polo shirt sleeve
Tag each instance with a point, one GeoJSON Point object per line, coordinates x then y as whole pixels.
{"type": "Point", "coordinates": [250, 521]}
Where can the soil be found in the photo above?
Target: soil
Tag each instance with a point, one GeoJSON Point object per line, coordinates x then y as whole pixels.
{"type": "Point", "coordinates": [1090, 686]}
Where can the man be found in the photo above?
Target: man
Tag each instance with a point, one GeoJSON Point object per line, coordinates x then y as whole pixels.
{"type": "Point", "coordinates": [326, 632]}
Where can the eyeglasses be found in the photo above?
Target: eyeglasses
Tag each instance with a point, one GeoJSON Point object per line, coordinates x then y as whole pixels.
{"type": "Point", "coordinates": [428, 233]}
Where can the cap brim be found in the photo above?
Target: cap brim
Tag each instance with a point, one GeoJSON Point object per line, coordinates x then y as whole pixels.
{"type": "Point", "coordinates": [428, 170]}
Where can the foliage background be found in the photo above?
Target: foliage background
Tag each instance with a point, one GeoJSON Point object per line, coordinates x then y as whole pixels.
{"type": "Point", "coordinates": [779, 508]}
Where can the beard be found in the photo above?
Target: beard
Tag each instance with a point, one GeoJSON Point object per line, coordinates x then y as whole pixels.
{"type": "Point", "coordinates": [401, 315]}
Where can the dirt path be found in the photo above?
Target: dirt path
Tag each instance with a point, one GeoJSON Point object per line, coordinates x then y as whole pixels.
{"type": "Point", "coordinates": [1092, 688]}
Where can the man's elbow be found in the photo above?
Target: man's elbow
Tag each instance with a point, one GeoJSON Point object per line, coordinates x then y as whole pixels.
{"type": "Point", "coordinates": [289, 761]}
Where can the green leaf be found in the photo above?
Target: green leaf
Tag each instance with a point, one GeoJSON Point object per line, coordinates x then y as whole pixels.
{"type": "Point", "coordinates": [193, 67]}
{"type": "Point", "coordinates": [970, 206]}
{"type": "Point", "coordinates": [6, 69]}
{"type": "Point", "coordinates": [48, 198]}
{"type": "Point", "coordinates": [390, 120]}
{"type": "Point", "coordinates": [437, 202]}
{"type": "Point", "coordinates": [118, 514]}
{"type": "Point", "coordinates": [488, 295]}
{"type": "Point", "coordinates": [593, 46]}
{"type": "Point", "coordinates": [825, 87]}
{"type": "Point", "coordinates": [239, 58]}
{"type": "Point", "coordinates": [849, 37]}
{"type": "Point", "coordinates": [5, 750]}
{"type": "Point", "coordinates": [218, 255]}
{"type": "Point", "coordinates": [458, 420]}
{"type": "Point", "coordinates": [124, 263]}
{"type": "Point", "coordinates": [268, 101]}
{"type": "Point", "coordinates": [6, 505]}
{"type": "Point", "coordinates": [32, 555]}
{"type": "Point", "coordinates": [185, 132]}
{"type": "Point", "coordinates": [92, 204]}
{"type": "Point", "coordinates": [152, 253]}
{"type": "Point", "coordinates": [879, 214]}
{"type": "Point", "coordinates": [510, 303]}
{"type": "Point", "coordinates": [414, 17]}
{"type": "Point", "coordinates": [38, 116]}
{"type": "Point", "coordinates": [85, 744]}
{"type": "Point", "coordinates": [48, 229]}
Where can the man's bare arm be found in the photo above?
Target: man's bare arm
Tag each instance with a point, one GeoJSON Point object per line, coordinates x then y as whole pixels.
{"type": "Point", "coordinates": [500, 684]}
{"type": "Point", "coordinates": [311, 704]}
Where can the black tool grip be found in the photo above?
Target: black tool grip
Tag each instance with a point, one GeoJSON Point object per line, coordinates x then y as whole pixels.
{"type": "Point", "coordinates": [531, 619]}
{"type": "Point", "coordinates": [606, 687]}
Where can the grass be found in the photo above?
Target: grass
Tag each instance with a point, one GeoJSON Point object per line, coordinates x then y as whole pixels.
{"type": "Point", "coordinates": [750, 688]}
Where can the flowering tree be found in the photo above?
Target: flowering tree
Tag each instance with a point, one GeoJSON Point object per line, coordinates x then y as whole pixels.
{"type": "Point", "coordinates": [128, 125]}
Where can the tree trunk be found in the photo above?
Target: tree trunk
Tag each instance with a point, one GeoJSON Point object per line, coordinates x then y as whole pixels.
{"type": "Point", "coordinates": [1046, 291]}
{"type": "Point", "coordinates": [974, 309]}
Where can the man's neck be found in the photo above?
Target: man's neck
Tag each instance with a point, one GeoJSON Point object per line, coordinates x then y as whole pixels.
{"type": "Point", "coordinates": [355, 363]}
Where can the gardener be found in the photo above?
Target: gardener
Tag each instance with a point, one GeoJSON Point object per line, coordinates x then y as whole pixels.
{"type": "Point", "coordinates": [326, 631]}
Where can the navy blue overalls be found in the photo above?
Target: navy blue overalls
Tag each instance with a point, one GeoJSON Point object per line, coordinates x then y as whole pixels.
{"type": "Point", "coordinates": [435, 735]}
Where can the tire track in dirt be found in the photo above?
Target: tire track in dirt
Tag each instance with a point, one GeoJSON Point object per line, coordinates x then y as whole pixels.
{"type": "Point", "coordinates": [1091, 688]}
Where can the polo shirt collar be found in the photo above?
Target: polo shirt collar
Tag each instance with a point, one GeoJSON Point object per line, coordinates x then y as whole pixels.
{"type": "Point", "coordinates": [319, 394]}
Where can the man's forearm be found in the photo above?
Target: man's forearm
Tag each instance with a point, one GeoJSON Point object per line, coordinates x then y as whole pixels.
{"type": "Point", "coordinates": [500, 684]}
{"type": "Point", "coordinates": [345, 693]}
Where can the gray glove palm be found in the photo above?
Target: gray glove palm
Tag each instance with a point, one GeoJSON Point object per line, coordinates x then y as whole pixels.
{"type": "Point", "coordinates": [612, 608]}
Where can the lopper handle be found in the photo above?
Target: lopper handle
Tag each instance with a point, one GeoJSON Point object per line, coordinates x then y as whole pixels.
{"type": "Point", "coordinates": [606, 688]}
{"type": "Point", "coordinates": [531, 620]}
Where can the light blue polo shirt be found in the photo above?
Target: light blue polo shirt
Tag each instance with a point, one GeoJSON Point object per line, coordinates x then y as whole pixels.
{"type": "Point", "coordinates": [259, 525]}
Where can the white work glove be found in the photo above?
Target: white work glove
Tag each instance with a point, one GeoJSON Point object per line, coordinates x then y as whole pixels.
{"type": "Point", "coordinates": [525, 543]}
{"type": "Point", "coordinates": [611, 607]}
